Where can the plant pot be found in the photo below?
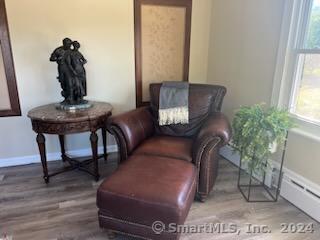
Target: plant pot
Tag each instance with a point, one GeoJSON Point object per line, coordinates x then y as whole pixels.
{"type": "Point", "coordinates": [273, 147]}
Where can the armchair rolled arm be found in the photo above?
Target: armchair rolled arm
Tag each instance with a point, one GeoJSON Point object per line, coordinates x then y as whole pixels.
{"type": "Point", "coordinates": [216, 125]}
{"type": "Point", "coordinates": [215, 133]}
{"type": "Point", "coordinates": [130, 129]}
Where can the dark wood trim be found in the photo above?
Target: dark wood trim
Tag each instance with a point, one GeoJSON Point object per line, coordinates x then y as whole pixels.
{"type": "Point", "coordinates": [187, 40]}
{"type": "Point", "coordinates": [8, 65]}
{"type": "Point", "coordinates": [138, 51]}
{"type": "Point", "coordinates": [137, 37]}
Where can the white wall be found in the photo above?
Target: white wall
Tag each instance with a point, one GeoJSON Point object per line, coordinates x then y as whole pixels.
{"type": "Point", "coordinates": [105, 30]}
{"type": "Point", "coordinates": [200, 40]}
{"type": "Point", "coordinates": [243, 52]}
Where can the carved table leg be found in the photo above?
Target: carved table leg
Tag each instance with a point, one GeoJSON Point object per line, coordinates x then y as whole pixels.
{"type": "Point", "coordinates": [94, 147]}
{"type": "Point", "coordinates": [42, 149]}
{"type": "Point", "coordinates": [63, 150]}
{"type": "Point", "coordinates": [104, 139]}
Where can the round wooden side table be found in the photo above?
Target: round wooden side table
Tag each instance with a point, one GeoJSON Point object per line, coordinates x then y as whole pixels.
{"type": "Point", "coordinates": [48, 119]}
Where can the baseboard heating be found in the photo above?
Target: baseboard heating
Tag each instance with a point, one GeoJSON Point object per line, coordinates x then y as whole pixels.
{"type": "Point", "coordinates": [298, 190]}
{"type": "Point", "coordinates": [299, 193]}
{"type": "Point", "coordinates": [314, 194]}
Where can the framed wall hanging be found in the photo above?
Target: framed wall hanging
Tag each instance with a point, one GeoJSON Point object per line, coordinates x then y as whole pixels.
{"type": "Point", "coordinates": [162, 43]}
{"type": "Point", "coordinates": [9, 99]}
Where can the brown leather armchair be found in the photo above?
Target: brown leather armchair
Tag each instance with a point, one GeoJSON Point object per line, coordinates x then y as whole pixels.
{"type": "Point", "coordinates": [138, 132]}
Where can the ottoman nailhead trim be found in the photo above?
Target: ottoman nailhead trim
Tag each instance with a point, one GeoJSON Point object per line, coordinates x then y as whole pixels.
{"type": "Point", "coordinates": [124, 221]}
{"type": "Point", "coordinates": [131, 235]}
{"type": "Point", "coordinates": [130, 223]}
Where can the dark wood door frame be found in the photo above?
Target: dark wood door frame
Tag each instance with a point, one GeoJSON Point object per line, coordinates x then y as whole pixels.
{"type": "Point", "coordinates": [8, 65]}
{"type": "Point", "coordinates": [138, 48]}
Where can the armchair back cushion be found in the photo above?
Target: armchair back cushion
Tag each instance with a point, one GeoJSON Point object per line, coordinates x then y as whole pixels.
{"type": "Point", "coordinates": [203, 101]}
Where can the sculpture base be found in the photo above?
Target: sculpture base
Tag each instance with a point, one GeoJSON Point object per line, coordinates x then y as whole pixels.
{"type": "Point", "coordinates": [74, 107]}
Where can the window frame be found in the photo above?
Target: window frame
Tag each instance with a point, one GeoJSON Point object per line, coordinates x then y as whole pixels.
{"type": "Point", "coordinates": [291, 46]}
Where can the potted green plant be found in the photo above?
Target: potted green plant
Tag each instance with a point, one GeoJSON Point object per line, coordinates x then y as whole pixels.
{"type": "Point", "coordinates": [257, 130]}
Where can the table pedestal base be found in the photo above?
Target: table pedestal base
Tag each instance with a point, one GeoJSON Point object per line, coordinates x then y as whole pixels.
{"type": "Point", "coordinates": [88, 165]}
{"type": "Point", "coordinates": [74, 163]}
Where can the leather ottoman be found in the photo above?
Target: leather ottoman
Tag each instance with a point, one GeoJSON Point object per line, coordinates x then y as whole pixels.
{"type": "Point", "coordinates": [147, 189]}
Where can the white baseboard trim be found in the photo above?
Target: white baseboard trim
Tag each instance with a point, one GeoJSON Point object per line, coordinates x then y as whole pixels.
{"type": "Point", "coordinates": [298, 190]}
{"type": "Point", "coordinates": [15, 161]}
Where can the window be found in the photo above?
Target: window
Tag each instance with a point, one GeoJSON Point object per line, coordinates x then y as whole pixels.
{"type": "Point", "coordinates": [304, 101]}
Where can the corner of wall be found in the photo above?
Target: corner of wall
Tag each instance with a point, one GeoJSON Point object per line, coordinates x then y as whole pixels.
{"type": "Point", "coordinates": [210, 42]}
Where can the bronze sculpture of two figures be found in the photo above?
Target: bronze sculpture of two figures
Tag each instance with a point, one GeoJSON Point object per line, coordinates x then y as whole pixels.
{"type": "Point", "coordinates": [72, 74]}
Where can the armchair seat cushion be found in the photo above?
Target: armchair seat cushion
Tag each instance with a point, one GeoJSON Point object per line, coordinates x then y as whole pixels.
{"type": "Point", "coordinates": [146, 189]}
{"type": "Point", "coordinates": [167, 146]}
